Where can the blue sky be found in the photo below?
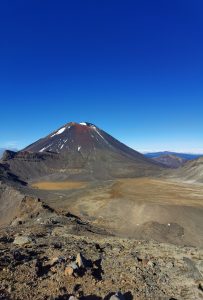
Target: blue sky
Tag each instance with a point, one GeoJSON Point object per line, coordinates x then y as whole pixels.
{"type": "Point", "coordinates": [133, 68]}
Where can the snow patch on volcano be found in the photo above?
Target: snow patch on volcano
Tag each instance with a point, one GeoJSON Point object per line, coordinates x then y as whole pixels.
{"type": "Point", "coordinates": [43, 149]}
{"type": "Point", "coordinates": [98, 133]}
{"type": "Point", "coordinates": [61, 130]}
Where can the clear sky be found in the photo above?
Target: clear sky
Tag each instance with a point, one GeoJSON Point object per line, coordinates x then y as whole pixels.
{"type": "Point", "coordinates": [133, 68]}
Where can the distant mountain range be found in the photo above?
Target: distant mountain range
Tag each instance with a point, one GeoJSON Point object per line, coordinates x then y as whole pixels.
{"type": "Point", "coordinates": [187, 156]}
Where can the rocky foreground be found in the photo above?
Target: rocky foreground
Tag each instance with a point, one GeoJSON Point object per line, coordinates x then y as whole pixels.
{"type": "Point", "coordinates": [60, 257]}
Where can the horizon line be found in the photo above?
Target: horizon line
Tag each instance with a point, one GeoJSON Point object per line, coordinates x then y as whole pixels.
{"type": "Point", "coordinates": [141, 151]}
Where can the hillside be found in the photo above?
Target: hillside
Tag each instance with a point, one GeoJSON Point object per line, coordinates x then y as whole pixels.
{"type": "Point", "coordinates": [170, 161]}
{"type": "Point", "coordinates": [192, 171]}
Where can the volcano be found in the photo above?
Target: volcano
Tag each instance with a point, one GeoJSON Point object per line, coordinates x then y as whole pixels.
{"type": "Point", "coordinates": [79, 150]}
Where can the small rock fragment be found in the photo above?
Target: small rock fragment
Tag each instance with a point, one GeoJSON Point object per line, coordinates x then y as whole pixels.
{"type": "Point", "coordinates": [21, 240]}
{"type": "Point", "coordinates": [17, 255]}
{"type": "Point", "coordinates": [80, 260]}
{"type": "Point", "coordinates": [73, 298]}
{"type": "Point", "coordinates": [145, 262]}
{"type": "Point", "coordinates": [200, 286]}
{"type": "Point", "coordinates": [73, 265]}
{"type": "Point", "coordinates": [54, 260]}
{"type": "Point", "coordinates": [150, 264]}
{"type": "Point", "coordinates": [69, 271]}
{"type": "Point", "coordinates": [117, 296]}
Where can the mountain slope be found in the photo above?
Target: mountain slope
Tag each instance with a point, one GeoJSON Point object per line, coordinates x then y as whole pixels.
{"type": "Point", "coordinates": [2, 150]}
{"type": "Point", "coordinates": [171, 161]}
{"type": "Point", "coordinates": [10, 194]}
{"type": "Point", "coordinates": [192, 171]}
{"type": "Point", "coordinates": [79, 150]}
{"type": "Point", "coordinates": [7, 177]}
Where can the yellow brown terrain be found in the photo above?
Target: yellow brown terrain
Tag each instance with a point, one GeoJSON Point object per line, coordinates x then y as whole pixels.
{"type": "Point", "coordinates": [64, 185]}
{"type": "Point", "coordinates": [143, 208]}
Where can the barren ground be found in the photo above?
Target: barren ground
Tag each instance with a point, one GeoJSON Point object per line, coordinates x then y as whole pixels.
{"type": "Point", "coordinates": [46, 236]}
{"type": "Point", "coordinates": [140, 270]}
{"type": "Point", "coordinates": [139, 208]}
{"type": "Point", "coordinates": [64, 185]}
